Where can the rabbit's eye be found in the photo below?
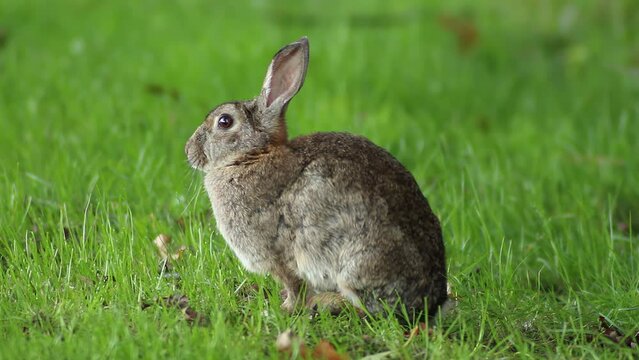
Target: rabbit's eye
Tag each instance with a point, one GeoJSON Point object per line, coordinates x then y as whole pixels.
{"type": "Point", "coordinates": [225, 121]}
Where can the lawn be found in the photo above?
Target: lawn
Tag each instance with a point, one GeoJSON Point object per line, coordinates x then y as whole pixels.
{"type": "Point", "coordinates": [519, 120]}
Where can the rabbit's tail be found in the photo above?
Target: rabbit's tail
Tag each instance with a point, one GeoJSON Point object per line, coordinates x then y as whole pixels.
{"type": "Point", "coordinates": [409, 302]}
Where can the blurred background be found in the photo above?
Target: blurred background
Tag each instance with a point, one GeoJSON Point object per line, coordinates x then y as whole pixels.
{"type": "Point", "coordinates": [519, 100]}
{"type": "Point", "coordinates": [518, 119]}
{"type": "Point", "coordinates": [507, 113]}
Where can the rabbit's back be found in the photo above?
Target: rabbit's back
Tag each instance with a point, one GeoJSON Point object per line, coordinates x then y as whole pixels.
{"type": "Point", "coordinates": [361, 222]}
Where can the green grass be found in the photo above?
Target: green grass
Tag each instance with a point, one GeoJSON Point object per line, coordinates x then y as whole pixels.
{"type": "Point", "coordinates": [526, 145]}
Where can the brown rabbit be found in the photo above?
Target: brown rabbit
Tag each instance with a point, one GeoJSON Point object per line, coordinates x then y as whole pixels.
{"type": "Point", "coordinates": [333, 210]}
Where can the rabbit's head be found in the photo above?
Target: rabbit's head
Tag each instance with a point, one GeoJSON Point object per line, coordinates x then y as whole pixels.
{"type": "Point", "coordinates": [235, 129]}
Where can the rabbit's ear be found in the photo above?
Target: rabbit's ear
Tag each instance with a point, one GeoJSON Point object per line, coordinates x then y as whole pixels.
{"type": "Point", "coordinates": [285, 75]}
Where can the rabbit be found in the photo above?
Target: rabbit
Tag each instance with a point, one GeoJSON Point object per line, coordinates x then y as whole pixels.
{"type": "Point", "coordinates": [327, 212]}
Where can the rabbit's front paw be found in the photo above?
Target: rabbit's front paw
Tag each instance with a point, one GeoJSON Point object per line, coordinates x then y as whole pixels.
{"type": "Point", "coordinates": [331, 302]}
{"type": "Point", "coordinates": [290, 301]}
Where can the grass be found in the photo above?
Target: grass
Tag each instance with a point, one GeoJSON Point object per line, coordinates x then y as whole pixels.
{"type": "Point", "coordinates": [524, 139]}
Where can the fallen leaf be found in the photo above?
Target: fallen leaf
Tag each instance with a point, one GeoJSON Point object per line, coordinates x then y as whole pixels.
{"type": "Point", "coordinates": [159, 90]}
{"type": "Point", "coordinates": [162, 243]}
{"type": "Point", "coordinates": [284, 341]}
{"type": "Point", "coordinates": [178, 254]}
{"type": "Point", "coordinates": [248, 292]}
{"type": "Point", "coordinates": [410, 335]}
{"type": "Point", "coordinates": [181, 302]}
{"type": "Point", "coordinates": [181, 223]}
{"type": "Point", "coordinates": [290, 344]}
{"type": "Point", "coordinates": [178, 300]}
{"type": "Point", "coordinates": [325, 350]}
{"type": "Point", "coordinates": [193, 317]}
{"type": "Point", "coordinates": [616, 335]}
{"type": "Point", "coordinates": [464, 29]}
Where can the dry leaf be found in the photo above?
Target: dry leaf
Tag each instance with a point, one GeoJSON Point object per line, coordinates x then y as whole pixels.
{"type": "Point", "coordinates": [181, 223]}
{"type": "Point", "coordinates": [181, 302]}
{"type": "Point", "coordinates": [292, 346]}
{"type": "Point", "coordinates": [326, 351]}
{"type": "Point", "coordinates": [178, 254]}
{"type": "Point", "coordinates": [248, 292]}
{"type": "Point", "coordinates": [162, 243]}
{"type": "Point", "coordinates": [284, 341]}
{"type": "Point", "coordinates": [464, 29]}
{"type": "Point", "coordinates": [159, 90]}
{"type": "Point", "coordinates": [615, 334]}
{"type": "Point", "coordinates": [410, 335]}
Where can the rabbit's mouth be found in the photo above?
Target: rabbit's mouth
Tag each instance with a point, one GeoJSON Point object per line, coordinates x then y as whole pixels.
{"type": "Point", "coordinates": [197, 162]}
{"type": "Point", "coordinates": [195, 151]}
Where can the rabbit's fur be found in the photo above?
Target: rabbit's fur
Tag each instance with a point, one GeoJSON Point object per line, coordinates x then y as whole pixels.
{"type": "Point", "coordinates": [330, 209]}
